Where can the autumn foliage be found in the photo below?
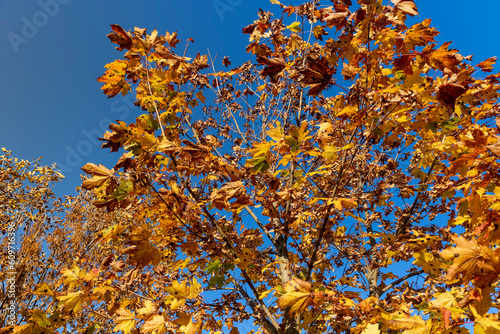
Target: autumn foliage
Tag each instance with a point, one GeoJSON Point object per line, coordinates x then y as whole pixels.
{"type": "Point", "coordinates": [344, 180]}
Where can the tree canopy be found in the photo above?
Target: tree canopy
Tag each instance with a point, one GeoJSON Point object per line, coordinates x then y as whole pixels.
{"type": "Point", "coordinates": [344, 180]}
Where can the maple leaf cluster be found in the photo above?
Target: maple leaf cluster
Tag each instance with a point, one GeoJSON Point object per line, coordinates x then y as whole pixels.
{"type": "Point", "coordinates": [344, 180]}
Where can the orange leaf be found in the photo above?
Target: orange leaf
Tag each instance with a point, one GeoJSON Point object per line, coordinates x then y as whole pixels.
{"type": "Point", "coordinates": [420, 34]}
{"type": "Point", "coordinates": [487, 65]}
{"type": "Point", "coordinates": [446, 316]}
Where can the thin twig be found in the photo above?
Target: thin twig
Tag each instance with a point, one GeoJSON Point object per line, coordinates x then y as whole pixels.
{"type": "Point", "coordinates": [396, 282]}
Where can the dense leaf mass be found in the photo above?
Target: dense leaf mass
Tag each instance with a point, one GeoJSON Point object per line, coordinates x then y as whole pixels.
{"type": "Point", "coordinates": [345, 180]}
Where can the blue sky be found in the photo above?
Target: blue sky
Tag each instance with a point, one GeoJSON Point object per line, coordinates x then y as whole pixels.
{"type": "Point", "coordinates": [52, 51]}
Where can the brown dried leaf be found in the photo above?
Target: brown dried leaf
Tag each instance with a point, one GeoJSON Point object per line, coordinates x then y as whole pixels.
{"type": "Point", "coordinates": [406, 6]}
{"type": "Point", "coordinates": [274, 66]}
{"type": "Point", "coordinates": [100, 170]}
{"type": "Point", "coordinates": [448, 93]}
{"type": "Point", "coordinates": [494, 149]}
{"type": "Point", "coordinates": [120, 37]}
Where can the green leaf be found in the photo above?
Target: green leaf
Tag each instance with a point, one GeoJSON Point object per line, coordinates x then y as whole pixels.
{"type": "Point", "coordinates": [292, 142]}
{"type": "Point", "coordinates": [92, 328]}
{"type": "Point", "coordinates": [451, 124]}
{"type": "Point", "coordinates": [133, 147]}
{"type": "Point", "coordinates": [153, 123]}
{"type": "Point", "coordinates": [123, 190]}
{"type": "Point", "coordinates": [216, 281]}
{"type": "Point", "coordinates": [432, 126]}
{"type": "Point", "coordinates": [400, 75]}
{"type": "Point", "coordinates": [213, 267]}
{"type": "Point", "coordinates": [260, 164]}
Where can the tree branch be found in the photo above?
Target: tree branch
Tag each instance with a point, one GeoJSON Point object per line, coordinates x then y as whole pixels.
{"type": "Point", "coordinates": [396, 282]}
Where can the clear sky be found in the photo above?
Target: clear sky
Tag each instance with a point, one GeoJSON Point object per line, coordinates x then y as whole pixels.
{"type": "Point", "coordinates": [52, 52]}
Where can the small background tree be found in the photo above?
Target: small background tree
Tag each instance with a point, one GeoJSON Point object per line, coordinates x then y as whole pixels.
{"type": "Point", "coordinates": [41, 235]}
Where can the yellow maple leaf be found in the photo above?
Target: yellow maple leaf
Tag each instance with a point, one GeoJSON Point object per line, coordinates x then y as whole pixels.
{"type": "Point", "coordinates": [296, 300]}
{"type": "Point", "coordinates": [426, 261]}
{"type": "Point", "coordinates": [114, 78]}
{"type": "Point", "coordinates": [143, 254]}
{"type": "Point", "coordinates": [245, 257]}
{"type": "Point", "coordinates": [194, 289]}
{"type": "Point", "coordinates": [487, 65]}
{"type": "Point", "coordinates": [261, 149]}
{"type": "Point", "coordinates": [276, 132]}
{"type": "Point", "coordinates": [342, 203]}
{"type": "Point", "coordinates": [415, 324]}
{"type": "Point", "coordinates": [444, 300]}
{"type": "Point", "coordinates": [155, 324]}
{"type": "Point", "coordinates": [40, 318]}
{"type": "Point", "coordinates": [43, 289]}
{"type": "Point", "coordinates": [348, 111]}
{"type": "Point", "coordinates": [71, 276]}
{"type": "Point", "coordinates": [73, 301]}
{"type": "Point", "coordinates": [486, 324]}
{"type": "Point", "coordinates": [298, 296]}
{"type": "Point", "coordinates": [148, 308]}
{"type": "Point", "coordinates": [186, 324]}
{"type": "Point", "coordinates": [180, 292]}
{"type": "Point", "coordinates": [442, 58]}
{"type": "Point", "coordinates": [125, 321]}
{"type": "Point", "coordinates": [295, 27]}
{"type": "Point", "coordinates": [330, 153]}
{"type": "Point", "coordinates": [371, 329]}
{"type": "Point", "coordinates": [324, 127]}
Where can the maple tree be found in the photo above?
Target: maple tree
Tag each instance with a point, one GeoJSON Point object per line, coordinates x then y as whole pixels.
{"type": "Point", "coordinates": [345, 181]}
{"type": "Point", "coordinates": [24, 194]}
{"type": "Point", "coordinates": [41, 235]}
